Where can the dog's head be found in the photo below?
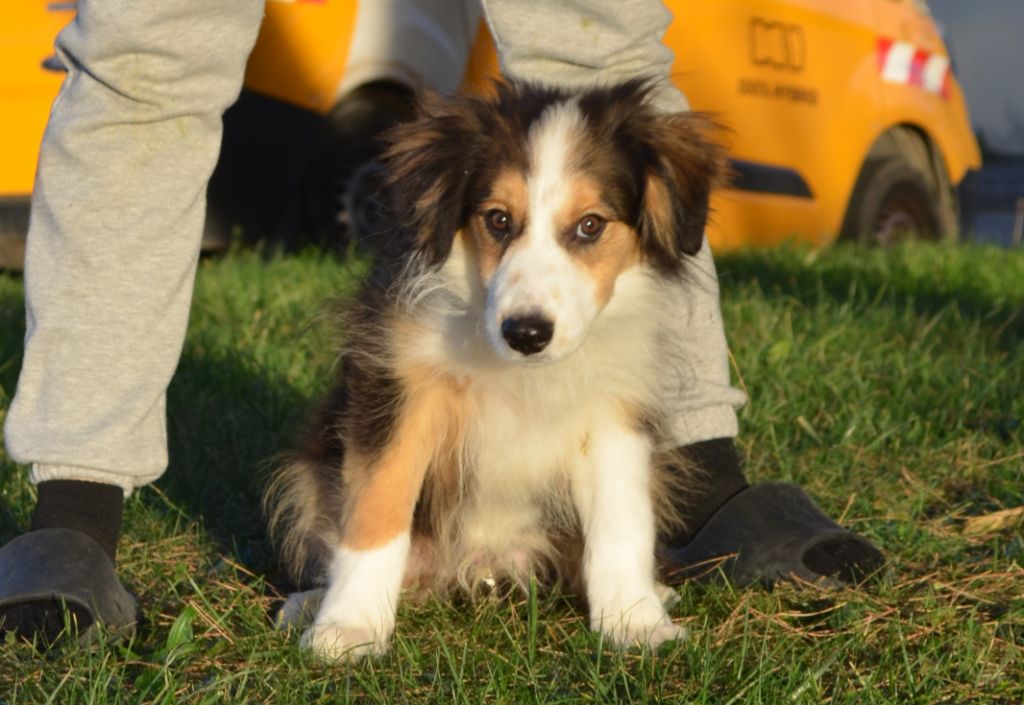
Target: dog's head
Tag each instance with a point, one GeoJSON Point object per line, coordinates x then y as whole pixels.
{"type": "Point", "coordinates": [555, 195]}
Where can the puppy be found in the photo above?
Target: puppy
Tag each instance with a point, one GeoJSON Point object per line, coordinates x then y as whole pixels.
{"type": "Point", "coordinates": [499, 411]}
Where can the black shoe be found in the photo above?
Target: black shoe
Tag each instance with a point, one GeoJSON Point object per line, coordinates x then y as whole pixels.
{"type": "Point", "coordinates": [771, 532]}
{"type": "Point", "coordinates": [50, 578]}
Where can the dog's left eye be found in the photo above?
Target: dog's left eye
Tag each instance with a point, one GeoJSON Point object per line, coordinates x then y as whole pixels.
{"type": "Point", "coordinates": [498, 222]}
{"type": "Point", "coordinates": [590, 228]}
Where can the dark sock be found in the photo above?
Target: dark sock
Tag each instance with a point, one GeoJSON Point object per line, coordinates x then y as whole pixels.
{"type": "Point", "coordinates": [93, 508]}
{"type": "Point", "coordinates": [719, 463]}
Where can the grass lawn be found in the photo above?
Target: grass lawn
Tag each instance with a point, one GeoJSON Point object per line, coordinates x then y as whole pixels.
{"type": "Point", "coordinates": [889, 384]}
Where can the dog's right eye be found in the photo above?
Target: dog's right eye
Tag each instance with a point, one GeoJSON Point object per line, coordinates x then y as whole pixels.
{"type": "Point", "coordinates": [498, 222]}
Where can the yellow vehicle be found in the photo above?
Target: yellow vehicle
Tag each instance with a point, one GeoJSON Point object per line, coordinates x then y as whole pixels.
{"type": "Point", "coordinates": [845, 118]}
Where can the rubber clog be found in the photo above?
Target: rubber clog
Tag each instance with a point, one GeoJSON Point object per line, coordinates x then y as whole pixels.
{"type": "Point", "coordinates": [768, 533]}
{"type": "Point", "coordinates": [50, 577]}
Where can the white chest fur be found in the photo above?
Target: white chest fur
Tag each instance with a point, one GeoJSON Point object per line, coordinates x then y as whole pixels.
{"type": "Point", "coordinates": [528, 429]}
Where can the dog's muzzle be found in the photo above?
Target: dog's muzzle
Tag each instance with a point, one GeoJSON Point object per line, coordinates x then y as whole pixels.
{"type": "Point", "coordinates": [527, 334]}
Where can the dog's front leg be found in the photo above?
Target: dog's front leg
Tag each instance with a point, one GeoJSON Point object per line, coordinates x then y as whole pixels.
{"type": "Point", "coordinates": [357, 616]}
{"type": "Point", "coordinates": [611, 489]}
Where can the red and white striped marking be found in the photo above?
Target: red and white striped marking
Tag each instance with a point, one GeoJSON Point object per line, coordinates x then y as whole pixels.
{"type": "Point", "coordinates": [906, 64]}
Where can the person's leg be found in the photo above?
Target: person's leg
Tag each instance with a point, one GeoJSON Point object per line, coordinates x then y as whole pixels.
{"type": "Point", "coordinates": [117, 219]}
{"type": "Point", "coordinates": [582, 42]}
{"type": "Point", "coordinates": [417, 43]}
{"type": "Point", "coordinates": [398, 47]}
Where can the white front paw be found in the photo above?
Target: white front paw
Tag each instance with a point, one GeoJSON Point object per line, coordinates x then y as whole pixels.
{"type": "Point", "coordinates": [336, 642]}
{"type": "Point", "coordinates": [642, 623]}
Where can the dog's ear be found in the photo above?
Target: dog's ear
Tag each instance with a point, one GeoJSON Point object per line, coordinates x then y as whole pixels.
{"type": "Point", "coordinates": [685, 164]}
{"type": "Point", "coordinates": [429, 162]}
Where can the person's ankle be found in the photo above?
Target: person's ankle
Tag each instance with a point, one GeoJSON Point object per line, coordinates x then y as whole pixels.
{"type": "Point", "coordinates": [718, 478]}
{"type": "Point", "coordinates": [92, 508]}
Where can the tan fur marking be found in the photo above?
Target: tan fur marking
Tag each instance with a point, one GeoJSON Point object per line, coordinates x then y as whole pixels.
{"type": "Point", "coordinates": [615, 251]}
{"type": "Point", "coordinates": [631, 415]}
{"type": "Point", "coordinates": [385, 490]}
{"type": "Point", "coordinates": [416, 139]}
{"type": "Point", "coordinates": [509, 193]}
{"type": "Point", "coordinates": [431, 197]}
{"type": "Point", "coordinates": [658, 204]}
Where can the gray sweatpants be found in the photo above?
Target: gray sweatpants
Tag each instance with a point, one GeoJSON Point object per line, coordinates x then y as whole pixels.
{"type": "Point", "coordinates": [119, 201]}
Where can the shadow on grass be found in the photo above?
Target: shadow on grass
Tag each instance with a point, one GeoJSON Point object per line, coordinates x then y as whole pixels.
{"type": "Point", "coordinates": [226, 422]}
{"type": "Point", "coordinates": [12, 336]}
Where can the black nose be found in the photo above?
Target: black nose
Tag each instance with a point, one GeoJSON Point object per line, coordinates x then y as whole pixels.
{"type": "Point", "coordinates": [527, 334]}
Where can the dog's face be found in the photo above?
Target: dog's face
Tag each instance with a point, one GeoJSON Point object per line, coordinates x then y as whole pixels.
{"type": "Point", "coordinates": [555, 196]}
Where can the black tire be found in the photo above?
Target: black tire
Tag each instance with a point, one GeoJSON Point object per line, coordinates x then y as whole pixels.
{"type": "Point", "coordinates": [350, 142]}
{"type": "Point", "coordinates": [891, 203]}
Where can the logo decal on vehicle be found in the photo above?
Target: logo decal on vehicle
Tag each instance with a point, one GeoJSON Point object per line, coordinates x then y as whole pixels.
{"type": "Point", "coordinates": [781, 47]}
{"type": "Point", "coordinates": [777, 45]}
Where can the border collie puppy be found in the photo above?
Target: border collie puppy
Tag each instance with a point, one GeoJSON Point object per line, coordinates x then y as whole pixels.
{"type": "Point", "coordinates": [498, 410]}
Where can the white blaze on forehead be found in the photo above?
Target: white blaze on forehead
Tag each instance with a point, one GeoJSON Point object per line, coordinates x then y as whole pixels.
{"type": "Point", "coordinates": [537, 276]}
{"type": "Point", "coordinates": [552, 139]}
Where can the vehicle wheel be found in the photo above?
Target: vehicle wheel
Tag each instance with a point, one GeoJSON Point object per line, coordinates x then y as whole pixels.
{"type": "Point", "coordinates": [345, 158]}
{"type": "Point", "coordinates": [891, 203]}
